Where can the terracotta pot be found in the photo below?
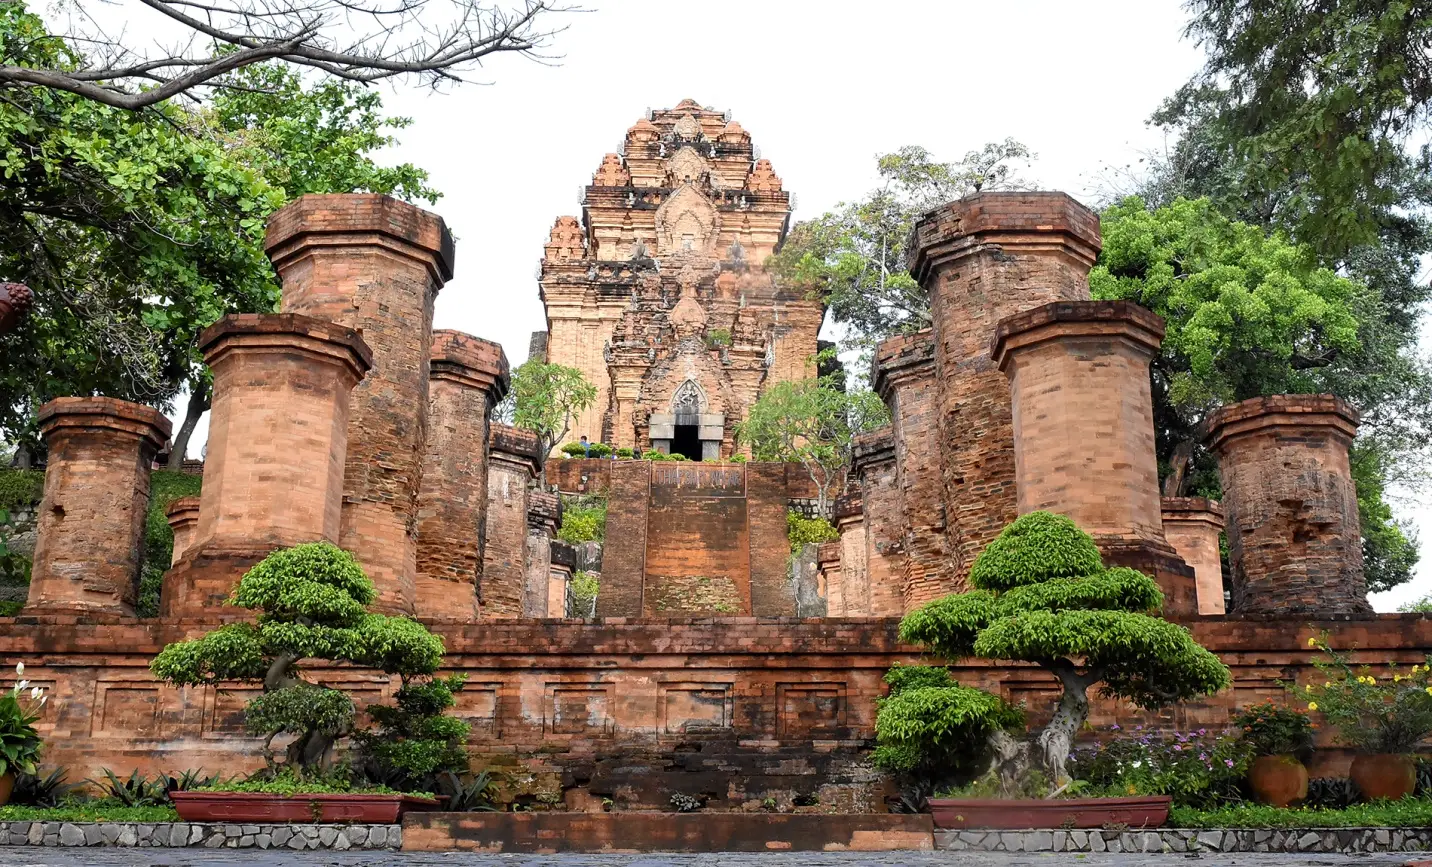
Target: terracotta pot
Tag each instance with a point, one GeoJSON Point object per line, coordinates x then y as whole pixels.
{"type": "Point", "coordinates": [1385, 775]}
{"type": "Point", "coordinates": [1278, 781]}
{"type": "Point", "coordinates": [259, 807]}
{"type": "Point", "coordinates": [1141, 812]}
{"type": "Point", "coordinates": [7, 785]}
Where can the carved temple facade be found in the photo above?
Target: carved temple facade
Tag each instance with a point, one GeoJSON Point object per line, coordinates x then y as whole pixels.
{"type": "Point", "coordinates": [658, 293]}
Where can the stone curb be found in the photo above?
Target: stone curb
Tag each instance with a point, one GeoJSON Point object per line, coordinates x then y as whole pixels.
{"type": "Point", "coordinates": [182, 835]}
{"type": "Point", "coordinates": [1325, 840]}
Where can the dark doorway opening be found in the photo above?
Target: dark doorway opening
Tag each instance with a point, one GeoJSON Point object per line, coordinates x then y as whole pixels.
{"type": "Point", "coordinates": [687, 442]}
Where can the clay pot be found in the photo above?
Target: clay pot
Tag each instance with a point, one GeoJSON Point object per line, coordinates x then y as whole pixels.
{"type": "Point", "coordinates": [7, 785]}
{"type": "Point", "coordinates": [1278, 781]}
{"type": "Point", "coordinates": [1385, 775]}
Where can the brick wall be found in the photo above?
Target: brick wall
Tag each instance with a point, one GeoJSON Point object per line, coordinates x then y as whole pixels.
{"type": "Point", "coordinates": [511, 467]}
{"type": "Point", "coordinates": [874, 467]}
{"type": "Point", "coordinates": [624, 554]}
{"type": "Point", "coordinates": [1192, 526]}
{"type": "Point", "coordinates": [771, 591]}
{"type": "Point", "coordinates": [697, 542]}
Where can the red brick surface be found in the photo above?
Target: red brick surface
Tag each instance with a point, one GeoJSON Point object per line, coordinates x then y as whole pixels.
{"type": "Point", "coordinates": [90, 523]}
{"type": "Point", "coordinates": [1192, 526]}
{"type": "Point", "coordinates": [1293, 534]}
{"type": "Point", "coordinates": [873, 467]}
{"type": "Point", "coordinates": [624, 558]}
{"type": "Point", "coordinates": [183, 517]}
{"type": "Point", "coordinates": [374, 264]}
{"type": "Point", "coordinates": [512, 465]}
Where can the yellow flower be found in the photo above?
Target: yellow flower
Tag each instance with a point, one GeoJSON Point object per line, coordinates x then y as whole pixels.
{"type": "Point", "coordinates": [1312, 705]}
{"type": "Point", "coordinates": [1396, 678]}
{"type": "Point", "coordinates": [1429, 690]}
{"type": "Point", "coordinates": [1327, 684]}
{"type": "Point", "coordinates": [1312, 642]}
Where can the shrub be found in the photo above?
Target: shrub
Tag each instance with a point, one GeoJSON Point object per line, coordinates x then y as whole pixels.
{"type": "Point", "coordinates": [165, 486]}
{"type": "Point", "coordinates": [717, 337]}
{"type": "Point", "coordinates": [930, 728]}
{"type": "Point", "coordinates": [312, 602]}
{"type": "Point", "coordinates": [50, 790]}
{"type": "Point", "coordinates": [1271, 730]}
{"type": "Point", "coordinates": [653, 455]}
{"type": "Point", "coordinates": [1042, 595]}
{"type": "Point", "coordinates": [20, 708]}
{"type": "Point", "coordinates": [413, 741]}
{"type": "Point", "coordinates": [1201, 768]}
{"type": "Point", "coordinates": [625, 453]}
{"type": "Point", "coordinates": [1390, 713]}
{"type": "Point", "coordinates": [136, 790]}
{"type": "Point", "coordinates": [596, 450]}
{"type": "Point", "coordinates": [584, 519]}
{"type": "Point", "coordinates": [582, 595]}
{"type": "Point", "coordinates": [802, 531]}
{"type": "Point", "coordinates": [21, 489]}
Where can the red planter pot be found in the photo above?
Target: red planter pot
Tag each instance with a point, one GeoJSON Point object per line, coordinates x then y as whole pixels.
{"type": "Point", "coordinates": [255, 807]}
{"type": "Point", "coordinates": [1139, 812]}
{"type": "Point", "coordinates": [1386, 775]}
{"type": "Point", "coordinates": [1278, 781]}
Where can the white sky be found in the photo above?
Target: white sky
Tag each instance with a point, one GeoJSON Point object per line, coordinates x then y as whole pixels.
{"type": "Point", "coordinates": [821, 86]}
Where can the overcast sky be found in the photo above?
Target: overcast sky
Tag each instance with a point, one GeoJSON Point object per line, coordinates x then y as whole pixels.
{"type": "Point", "coordinates": [822, 87]}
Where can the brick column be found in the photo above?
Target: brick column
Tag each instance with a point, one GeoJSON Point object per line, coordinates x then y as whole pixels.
{"type": "Point", "coordinates": [1083, 422]}
{"type": "Point", "coordinates": [373, 264]}
{"type": "Point", "coordinates": [981, 259]}
{"type": "Point", "coordinates": [850, 596]}
{"type": "Point", "coordinates": [564, 563]}
{"type": "Point", "coordinates": [513, 460]}
{"type": "Point", "coordinates": [624, 555]}
{"type": "Point", "coordinates": [873, 466]}
{"type": "Point", "coordinates": [1192, 526]}
{"type": "Point", "coordinates": [90, 525]}
{"type": "Point", "coordinates": [468, 377]}
{"type": "Point", "coordinates": [544, 515]}
{"type": "Point", "coordinates": [904, 376]}
{"type": "Point", "coordinates": [828, 574]}
{"type": "Point", "coordinates": [183, 517]}
{"type": "Point", "coordinates": [274, 464]}
{"type": "Point", "coordinates": [1294, 542]}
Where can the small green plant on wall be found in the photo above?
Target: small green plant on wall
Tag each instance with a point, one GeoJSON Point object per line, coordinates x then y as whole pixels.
{"type": "Point", "coordinates": [312, 606]}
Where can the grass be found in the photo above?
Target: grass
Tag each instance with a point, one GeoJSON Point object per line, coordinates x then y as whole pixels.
{"type": "Point", "coordinates": [1407, 813]}
{"type": "Point", "coordinates": [88, 811]}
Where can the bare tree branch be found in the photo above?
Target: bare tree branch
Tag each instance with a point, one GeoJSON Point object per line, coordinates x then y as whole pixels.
{"type": "Point", "coordinates": [363, 41]}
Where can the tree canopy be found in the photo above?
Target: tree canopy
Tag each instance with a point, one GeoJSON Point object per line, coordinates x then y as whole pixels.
{"type": "Point", "coordinates": [1043, 596]}
{"type": "Point", "coordinates": [545, 398]}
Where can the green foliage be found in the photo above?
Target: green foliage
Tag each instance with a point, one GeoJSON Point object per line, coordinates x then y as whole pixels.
{"type": "Point", "coordinates": [545, 398]}
{"type": "Point", "coordinates": [1035, 548]}
{"type": "Point", "coordinates": [1200, 768]}
{"type": "Point", "coordinates": [33, 790]}
{"type": "Point", "coordinates": [1406, 813]}
{"type": "Point", "coordinates": [21, 489]}
{"type": "Point", "coordinates": [626, 453]}
{"type": "Point", "coordinates": [802, 531]}
{"type": "Point", "coordinates": [136, 790]}
{"type": "Point", "coordinates": [1373, 713]}
{"type": "Point", "coordinates": [317, 581]}
{"type": "Point", "coordinates": [88, 811]}
{"type": "Point", "coordinates": [584, 519]}
{"type": "Point", "coordinates": [929, 725]}
{"type": "Point", "coordinates": [597, 450]}
{"type": "Point", "coordinates": [466, 796]}
{"type": "Point", "coordinates": [1272, 730]}
{"type": "Point", "coordinates": [582, 593]}
{"type": "Point", "coordinates": [812, 422]}
{"type": "Point", "coordinates": [165, 486]}
{"type": "Point", "coordinates": [718, 337]}
{"type": "Point", "coordinates": [20, 743]}
{"type": "Point", "coordinates": [285, 781]}
{"type": "Point", "coordinates": [300, 709]}
{"type": "Point", "coordinates": [414, 741]}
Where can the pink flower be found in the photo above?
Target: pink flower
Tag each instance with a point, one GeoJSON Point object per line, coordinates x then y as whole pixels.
{"type": "Point", "coordinates": [1228, 762]}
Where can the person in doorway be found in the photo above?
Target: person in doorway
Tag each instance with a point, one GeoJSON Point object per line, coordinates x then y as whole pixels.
{"type": "Point", "coordinates": [586, 447]}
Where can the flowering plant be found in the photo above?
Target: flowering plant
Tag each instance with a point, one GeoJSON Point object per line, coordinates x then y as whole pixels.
{"type": "Point", "coordinates": [1373, 713]}
{"type": "Point", "coordinates": [19, 710]}
{"type": "Point", "coordinates": [1197, 769]}
{"type": "Point", "coordinates": [1275, 731]}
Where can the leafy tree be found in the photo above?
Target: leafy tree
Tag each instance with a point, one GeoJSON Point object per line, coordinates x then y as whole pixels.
{"type": "Point", "coordinates": [312, 602]}
{"type": "Point", "coordinates": [1042, 595]}
{"type": "Point", "coordinates": [545, 398]}
{"type": "Point", "coordinates": [814, 423]}
{"type": "Point", "coordinates": [1249, 314]}
{"type": "Point", "coordinates": [854, 256]}
{"type": "Point", "coordinates": [414, 741]}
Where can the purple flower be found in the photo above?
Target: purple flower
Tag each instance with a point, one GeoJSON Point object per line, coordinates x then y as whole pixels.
{"type": "Point", "coordinates": [1228, 762]}
{"type": "Point", "coordinates": [1114, 727]}
{"type": "Point", "coordinates": [1177, 748]}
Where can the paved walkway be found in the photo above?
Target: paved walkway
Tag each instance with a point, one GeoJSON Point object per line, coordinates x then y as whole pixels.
{"type": "Point", "coordinates": [39, 857]}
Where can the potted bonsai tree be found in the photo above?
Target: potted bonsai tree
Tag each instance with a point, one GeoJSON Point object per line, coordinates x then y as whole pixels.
{"type": "Point", "coordinates": [312, 601]}
{"type": "Point", "coordinates": [1382, 717]}
{"type": "Point", "coordinates": [1280, 737]}
{"type": "Point", "coordinates": [19, 741]}
{"type": "Point", "coordinates": [1042, 595]}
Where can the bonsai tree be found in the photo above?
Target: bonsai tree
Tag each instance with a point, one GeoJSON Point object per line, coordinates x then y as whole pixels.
{"type": "Point", "coordinates": [414, 741]}
{"type": "Point", "coordinates": [1042, 595]}
{"type": "Point", "coordinates": [312, 601]}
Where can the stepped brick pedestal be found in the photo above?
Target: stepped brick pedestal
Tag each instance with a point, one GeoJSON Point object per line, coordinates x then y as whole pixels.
{"type": "Point", "coordinates": [183, 518]}
{"type": "Point", "coordinates": [1192, 526]}
{"type": "Point", "coordinates": [514, 459]}
{"type": "Point", "coordinates": [1293, 533]}
{"type": "Point", "coordinates": [981, 259]}
{"type": "Point", "coordinates": [90, 525]}
{"type": "Point", "coordinates": [563, 560]}
{"type": "Point", "coordinates": [278, 434]}
{"type": "Point", "coordinates": [373, 264]}
{"type": "Point", "coordinates": [468, 377]}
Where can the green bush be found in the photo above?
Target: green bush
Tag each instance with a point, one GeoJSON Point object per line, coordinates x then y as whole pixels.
{"type": "Point", "coordinates": [584, 519]}
{"type": "Point", "coordinates": [414, 741]}
{"type": "Point", "coordinates": [597, 450]}
{"type": "Point", "coordinates": [1406, 813]}
{"type": "Point", "coordinates": [165, 486]}
{"type": "Point", "coordinates": [1372, 712]}
{"type": "Point", "coordinates": [582, 595]}
{"type": "Point", "coordinates": [1201, 768]}
{"type": "Point", "coordinates": [718, 337]}
{"type": "Point", "coordinates": [801, 531]}
{"type": "Point", "coordinates": [21, 489]}
{"type": "Point", "coordinates": [930, 727]}
{"type": "Point", "coordinates": [285, 781]}
{"type": "Point", "coordinates": [1271, 730]}
{"type": "Point", "coordinates": [626, 453]}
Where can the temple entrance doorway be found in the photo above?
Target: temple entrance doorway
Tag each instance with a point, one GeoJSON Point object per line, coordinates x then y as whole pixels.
{"type": "Point", "coordinates": [687, 441]}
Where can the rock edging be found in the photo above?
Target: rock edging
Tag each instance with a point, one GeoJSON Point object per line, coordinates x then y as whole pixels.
{"type": "Point", "coordinates": [1326, 840]}
{"type": "Point", "coordinates": [193, 835]}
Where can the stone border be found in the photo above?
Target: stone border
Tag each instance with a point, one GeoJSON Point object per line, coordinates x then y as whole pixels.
{"type": "Point", "coordinates": [182, 835]}
{"type": "Point", "coordinates": [1325, 840]}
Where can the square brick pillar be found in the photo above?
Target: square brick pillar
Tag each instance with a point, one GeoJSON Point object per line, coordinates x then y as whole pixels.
{"type": "Point", "coordinates": [982, 259]}
{"type": "Point", "coordinates": [468, 377]}
{"type": "Point", "coordinates": [1294, 539]}
{"type": "Point", "coordinates": [873, 466]}
{"type": "Point", "coordinates": [183, 518]}
{"type": "Point", "coordinates": [374, 264]}
{"type": "Point", "coordinates": [90, 526]}
{"type": "Point", "coordinates": [544, 515]}
{"type": "Point", "coordinates": [848, 596]}
{"type": "Point", "coordinates": [274, 464]}
{"type": "Point", "coordinates": [624, 555]}
{"type": "Point", "coordinates": [1192, 526]}
{"type": "Point", "coordinates": [1083, 422]}
{"type": "Point", "coordinates": [563, 558]}
{"type": "Point", "coordinates": [514, 459]}
{"type": "Point", "coordinates": [904, 377]}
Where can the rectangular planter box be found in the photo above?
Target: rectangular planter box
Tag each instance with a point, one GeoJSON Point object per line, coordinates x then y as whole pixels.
{"type": "Point", "coordinates": [1140, 812]}
{"type": "Point", "coordinates": [254, 807]}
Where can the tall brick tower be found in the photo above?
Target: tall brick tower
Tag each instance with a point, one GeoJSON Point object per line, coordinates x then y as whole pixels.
{"type": "Point", "coordinates": [658, 292]}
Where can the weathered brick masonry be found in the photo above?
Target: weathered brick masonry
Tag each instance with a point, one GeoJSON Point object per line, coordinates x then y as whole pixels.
{"type": "Point", "coordinates": [544, 516]}
{"type": "Point", "coordinates": [1192, 526]}
{"type": "Point", "coordinates": [512, 464]}
{"type": "Point", "coordinates": [877, 592]}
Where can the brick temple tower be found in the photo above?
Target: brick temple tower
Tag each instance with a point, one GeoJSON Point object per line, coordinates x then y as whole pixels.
{"type": "Point", "coordinates": [658, 292]}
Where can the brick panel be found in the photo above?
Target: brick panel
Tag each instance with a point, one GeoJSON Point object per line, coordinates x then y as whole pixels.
{"type": "Point", "coordinates": [697, 544]}
{"type": "Point", "coordinates": [624, 557]}
{"type": "Point", "coordinates": [512, 463]}
{"type": "Point", "coordinates": [874, 467]}
{"type": "Point", "coordinates": [771, 592]}
{"type": "Point", "coordinates": [1192, 526]}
